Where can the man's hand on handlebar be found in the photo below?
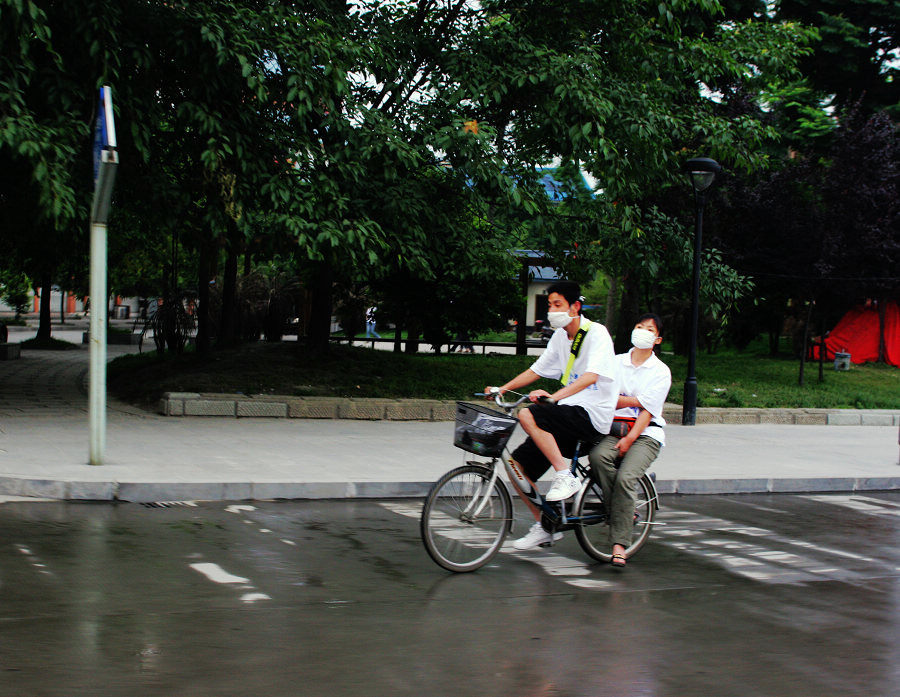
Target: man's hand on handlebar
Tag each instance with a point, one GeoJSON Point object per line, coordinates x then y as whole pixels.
{"type": "Point", "coordinates": [494, 393]}
{"type": "Point", "coordinates": [541, 396]}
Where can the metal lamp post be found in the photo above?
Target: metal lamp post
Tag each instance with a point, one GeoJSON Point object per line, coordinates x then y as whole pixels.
{"type": "Point", "coordinates": [702, 171]}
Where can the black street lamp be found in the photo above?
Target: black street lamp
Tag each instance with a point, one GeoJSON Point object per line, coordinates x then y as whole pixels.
{"type": "Point", "coordinates": [702, 172]}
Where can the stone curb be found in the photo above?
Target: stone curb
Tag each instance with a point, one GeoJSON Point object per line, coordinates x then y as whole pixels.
{"type": "Point", "coordinates": [275, 406]}
{"type": "Point", "coordinates": [151, 492]}
{"type": "Point", "coordinates": [279, 406]}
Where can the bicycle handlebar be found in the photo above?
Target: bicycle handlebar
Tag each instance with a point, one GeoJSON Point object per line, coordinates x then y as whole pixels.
{"type": "Point", "coordinates": [509, 406]}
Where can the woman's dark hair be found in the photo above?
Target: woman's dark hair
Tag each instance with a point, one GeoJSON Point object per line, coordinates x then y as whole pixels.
{"type": "Point", "coordinates": [652, 316]}
{"type": "Point", "coordinates": [570, 290]}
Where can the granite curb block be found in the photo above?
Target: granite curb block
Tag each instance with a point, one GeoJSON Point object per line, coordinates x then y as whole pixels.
{"type": "Point", "coordinates": [276, 406]}
{"type": "Point", "coordinates": [150, 492]}
{"type": "Point", "coordinates": [374, 409]}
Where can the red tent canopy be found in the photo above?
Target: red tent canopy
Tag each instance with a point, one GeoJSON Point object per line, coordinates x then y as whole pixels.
{"type": "Point", "coordinates": [858, 334]}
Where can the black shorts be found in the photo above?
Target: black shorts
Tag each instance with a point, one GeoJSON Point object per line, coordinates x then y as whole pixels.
{"type": "Point", "coordinates": [568, 425]}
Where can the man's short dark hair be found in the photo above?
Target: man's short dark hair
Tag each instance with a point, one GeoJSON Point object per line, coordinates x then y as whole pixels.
{"type": "Point", "coordinates": [653, 317]}
{"type": "Point", "coordinates": [570, 290]}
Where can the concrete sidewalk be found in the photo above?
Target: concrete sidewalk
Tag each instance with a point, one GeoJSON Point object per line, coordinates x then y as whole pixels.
{"type": "Point", "coordinates": [151, 457]}
{"type": "Point", "coordinates": [154, 458]}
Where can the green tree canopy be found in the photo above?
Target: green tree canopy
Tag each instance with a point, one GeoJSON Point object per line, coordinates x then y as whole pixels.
{"type": "Point", "coordinates": [379, 141]}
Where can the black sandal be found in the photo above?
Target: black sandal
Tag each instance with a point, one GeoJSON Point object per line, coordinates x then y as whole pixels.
{"type": "Point", "coordinates": [618, 561]}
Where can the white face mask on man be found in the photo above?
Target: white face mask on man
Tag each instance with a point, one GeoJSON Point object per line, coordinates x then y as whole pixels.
{"type": "Point", "coordinates": [642, 338]}
{"type": "Point", "coordinates": [558, 320]}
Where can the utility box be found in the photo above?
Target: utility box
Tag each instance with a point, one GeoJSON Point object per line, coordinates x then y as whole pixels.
{"type": "Point", "coordinates": [841, 361]}
{"type": "Point", "coordinates": [10, 352]}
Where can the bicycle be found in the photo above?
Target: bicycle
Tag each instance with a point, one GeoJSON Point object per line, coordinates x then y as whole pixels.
{"type": "Point", "coordinates": [468, 512]}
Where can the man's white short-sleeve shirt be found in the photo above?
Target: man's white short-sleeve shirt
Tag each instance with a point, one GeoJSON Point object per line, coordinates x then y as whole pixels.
{"type": "Point", "coordinates": [595, 356]}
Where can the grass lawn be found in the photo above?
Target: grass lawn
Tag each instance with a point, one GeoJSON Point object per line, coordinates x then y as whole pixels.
{"type": "Point", "coordinates": [750, 378]}
{"type": "Point", "coordinates": [50, 344]}
{"type": "Point", "coordinates": [756, 379]}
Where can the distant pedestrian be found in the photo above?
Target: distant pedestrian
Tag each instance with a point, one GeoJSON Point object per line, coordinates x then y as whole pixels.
{"type": "Point", "coordinates": [370, 324]}
{"type": "Point", "coordinates": [462, 341]}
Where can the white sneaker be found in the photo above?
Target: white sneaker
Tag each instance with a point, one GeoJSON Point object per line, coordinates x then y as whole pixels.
{"type": "Point", "coordinates": [566, 485]}
{"type": "Point", "coordinates": [536, 537]}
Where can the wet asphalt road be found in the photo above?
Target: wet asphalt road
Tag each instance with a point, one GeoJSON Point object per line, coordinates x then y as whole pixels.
{"type": "Point", "coordinates": [743, 595]}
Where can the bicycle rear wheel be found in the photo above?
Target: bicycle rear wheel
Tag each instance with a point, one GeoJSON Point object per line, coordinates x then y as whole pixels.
{"type": "Point", "coordinates": [465, 519]}
{"type": "Point", "coordinates": [594, 536]}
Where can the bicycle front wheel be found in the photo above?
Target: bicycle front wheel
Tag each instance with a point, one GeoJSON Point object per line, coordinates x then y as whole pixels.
{"type": "Point", "coordinates": [593, 533]}
{"type": "Point", "coordinates": [465, 518]}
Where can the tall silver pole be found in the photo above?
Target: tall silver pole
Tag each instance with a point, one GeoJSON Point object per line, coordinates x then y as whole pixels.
{"type": "Point", "coordinates": [97, 377]}
{"type": "Point", "coordinates": [106, 161]}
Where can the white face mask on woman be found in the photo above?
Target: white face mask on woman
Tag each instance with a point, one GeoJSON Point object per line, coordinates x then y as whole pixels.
{"type": "Point", "coordinates": [642, 338]}
{"type": "Point", "coordinates": [558, 320]}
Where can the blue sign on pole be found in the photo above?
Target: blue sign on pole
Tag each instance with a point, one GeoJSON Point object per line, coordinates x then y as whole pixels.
{"type": "Point", "coordinates": [105, 129]}
{"type": "Point", "coordinates": [105, 157]}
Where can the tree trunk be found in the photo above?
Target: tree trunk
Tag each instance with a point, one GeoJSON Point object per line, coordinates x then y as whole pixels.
{"type": "Point", "coordinates": [203, 314]}
{"type": "Point", "coordinates": [822, 321]}
{"type": "Point", "coordinates": [612, 296]}
{"type": "Point", "coordinates": [228, 324]}
{"type": "Point", "coordinates": [773, 341]}
{"type": "Point", "coordinates": [801, 380]}
{"type": "Point", "coordinates": [522, 317]}
{"type": "Point", "coordinates": [628, 313]}
{"type": "Point", "coordinates": [775, 323]}
{"type": "Point", "coordinates": [412, 336]}
{"type": "Point", "coordinates": [320, 317]}
{"type": "Point", "coordinates": [44, 325]}
{"type": "Point", "coordinates": [398, 332]}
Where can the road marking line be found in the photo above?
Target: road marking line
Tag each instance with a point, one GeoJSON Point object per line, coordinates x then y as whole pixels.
{"type": "Point", "coordinates": [554, 564]}
{"type": "Point", "coordinates": [217, 574]}
{"type": "Point", "coordinates": [33, 559]}
{"type": "Point", "coordinates": [253, 597]}
{"type": "Point", "coordinates": [592, 583]}
{"type": "Point", "coordinates": [862, 504]}
{"type": "Point", "coordinates": [782, 565]}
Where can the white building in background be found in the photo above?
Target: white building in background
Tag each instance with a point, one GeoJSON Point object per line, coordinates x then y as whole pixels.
{"type": "Point", "coordinates": [64, 302]}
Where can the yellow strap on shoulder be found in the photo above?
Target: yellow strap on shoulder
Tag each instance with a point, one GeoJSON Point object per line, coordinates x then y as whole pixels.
{"type": "Point", "coordinates": [576, 348]}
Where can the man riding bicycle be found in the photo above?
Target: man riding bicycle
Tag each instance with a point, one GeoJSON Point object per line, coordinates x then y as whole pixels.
{"type": "Point", "coordinates": [580, 354]}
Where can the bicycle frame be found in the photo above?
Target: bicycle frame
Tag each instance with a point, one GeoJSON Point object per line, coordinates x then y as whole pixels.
{"type": "Point", "coordinates": [558, 513]}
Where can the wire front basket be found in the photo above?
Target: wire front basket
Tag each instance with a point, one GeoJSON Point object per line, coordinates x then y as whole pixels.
{"type": "Point", "coordinates": [482, 430]}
